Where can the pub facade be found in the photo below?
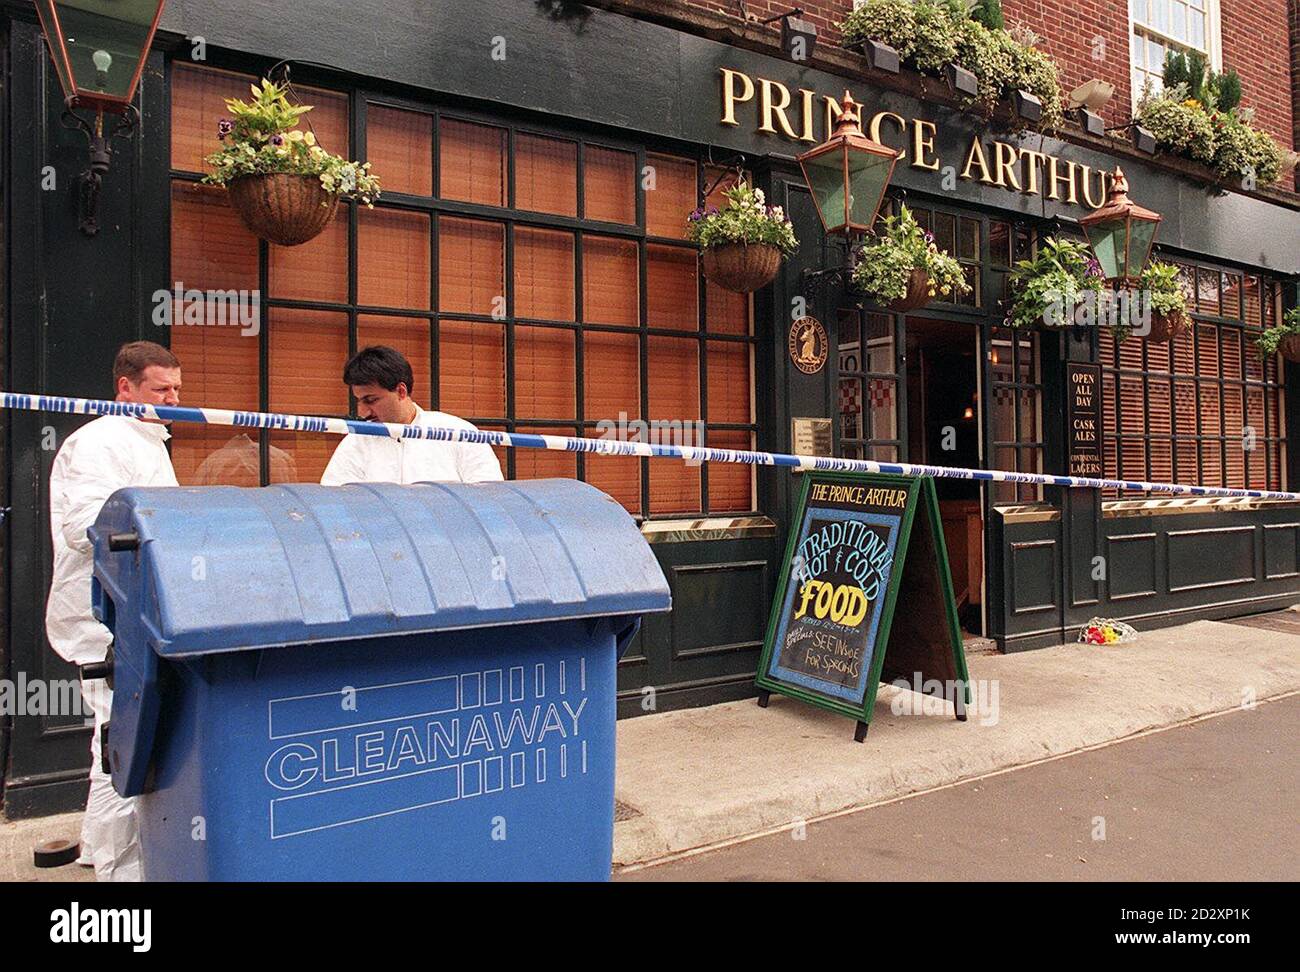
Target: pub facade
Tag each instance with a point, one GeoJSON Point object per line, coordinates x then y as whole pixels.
{"type": "Point", "coordinates": [529, 256]}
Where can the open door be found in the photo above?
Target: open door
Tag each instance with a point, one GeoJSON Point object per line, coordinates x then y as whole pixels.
{"type": "Point", "coordinates": [943, 429]}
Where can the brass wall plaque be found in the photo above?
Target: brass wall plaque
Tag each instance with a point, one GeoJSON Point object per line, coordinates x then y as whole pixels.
{"type": "Point", "coordinates": [811, 436]}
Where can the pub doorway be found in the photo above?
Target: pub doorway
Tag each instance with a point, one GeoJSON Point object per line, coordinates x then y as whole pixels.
{"type": "Point", "coordinates": [944, 429]}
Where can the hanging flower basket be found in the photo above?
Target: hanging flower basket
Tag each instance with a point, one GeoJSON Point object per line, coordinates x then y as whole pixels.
{"type": "Point", "coordinates": [1047, 290]}
{"type": "Point", "coordinates": [1167, 327]}
{"type": "Point", "coordinates": [742, 267]}
{"type": "Point", "coordinates": [283, 185]}
{"type": "Point", "coordinates": [744, 242]}
{"type": "Point", "coordinates": [281, 207]}
{"type": "Point", "coordinates": [1283, 338]}
{"type": "Point", "coordinates": [918, 293]}
{"type": "Point", "coordinates": [1166, 295]}
{"type": "Point", "coordinates": [904, 269]}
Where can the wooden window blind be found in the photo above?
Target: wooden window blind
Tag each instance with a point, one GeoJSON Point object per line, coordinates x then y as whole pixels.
{"type": "Point", "coordinates": [726, 312]}
{"type": "Point", "coordinates": [672, 287]}
{"type": "Point", "coordinates": [472, 162]}
{"type": "Point", "coordinates": [305, 351]}
{"type": "Point", "coordinates": [611, 375]}
{"type": "Point", "coordinates": [609, 184]}
{"type": "Point", "coordinates": [731, 486]}
{"type": "Point", "coordinates": [393, 259]}
{"type": "Point", "coordinates": [673, 365]}
{"type": "Point", "coordinates": [544, 274]}
{"type": "Point", "coordinates": [546, 175]}
{"type": "Point", "coordinates": [399, 147]}
{"type": "Point", "coordinates": [545, 379]}
{"type": "Point", "coordinates": [673, 197]}
{"type": "Point", "coordinates": [545, 463]}
{"type": "Point", "coordinates": [472, 368]}
{"type": "Point", "coordinates": [471, 266]}
{"type": "Point", "coordinates": [199, 94]}
{"type": "Point", "coordinates": [728, 366]}
{"type": "Point", "coordinates": [611, 393]}
{"type": "Point", "coordinates": [610, 281]}
{"type": "Point", "coordinates": [198, 104]}
{"type": "Point", "coordinates": [316, 270]}
{"type": "Point", "coordinates": [211, 250]}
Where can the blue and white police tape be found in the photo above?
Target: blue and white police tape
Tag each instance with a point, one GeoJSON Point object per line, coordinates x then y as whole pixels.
{"type": "Point", "coordinates": [604, 447]}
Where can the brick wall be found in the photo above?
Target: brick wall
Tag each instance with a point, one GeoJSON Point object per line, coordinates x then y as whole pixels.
{"type": "Point", "coordinates": [1255, 44]}
{"type": "Point", "coordinates": [1090, 39]}
{"type": "Point", "coordinates": [1295, 75]}
{"type": "Point", "coordinates": [825, 14]}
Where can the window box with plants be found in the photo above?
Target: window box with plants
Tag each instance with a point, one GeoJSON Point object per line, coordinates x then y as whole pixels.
{"type": "Point", "coordinates": [1197, 116]}
{"type": "Point", "coordinates": [959, 38]}
{"type": "Point", "coordinates": [283, 185]}
{"type": "Point", "coordinates": [904, 269]}
{"type": "Point", "coordinates": [743, 242]}
{"type": "Point", "coordinates": [1283, 339]}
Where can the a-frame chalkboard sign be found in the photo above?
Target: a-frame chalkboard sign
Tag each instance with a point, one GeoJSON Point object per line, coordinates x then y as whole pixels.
{"type": "Point", "coordinates": [865, 569]}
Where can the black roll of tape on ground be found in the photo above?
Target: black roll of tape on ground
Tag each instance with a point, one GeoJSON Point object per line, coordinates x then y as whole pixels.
{"type": "Point", "coordinates": [55, 853]}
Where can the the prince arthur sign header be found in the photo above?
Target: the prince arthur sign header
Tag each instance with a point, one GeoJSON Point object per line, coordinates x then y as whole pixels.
{"type": "Point", "coordinates": [804, 116]}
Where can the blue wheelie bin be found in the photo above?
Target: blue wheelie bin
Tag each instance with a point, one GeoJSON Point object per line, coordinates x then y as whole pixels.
{"type": "Point", "coordinates": [370, 682]}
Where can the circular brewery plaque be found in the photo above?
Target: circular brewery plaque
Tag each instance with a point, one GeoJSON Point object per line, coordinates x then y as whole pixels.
{"type": "Point", "coordinates": [808, 345]}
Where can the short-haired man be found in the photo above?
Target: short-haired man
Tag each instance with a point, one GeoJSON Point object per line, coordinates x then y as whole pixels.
{"type": "Point", "coordinates": [101, 457]}
{"type": "Point", "coordinates": [382, 381]}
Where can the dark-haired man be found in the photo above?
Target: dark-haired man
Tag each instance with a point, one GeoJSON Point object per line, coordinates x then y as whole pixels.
{"type": "Point", "coordinates": [101, 457]}
{"type": "Point", "coordinates": [381, 381]}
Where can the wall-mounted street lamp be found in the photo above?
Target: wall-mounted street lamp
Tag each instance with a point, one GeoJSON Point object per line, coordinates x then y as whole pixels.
{"type": "Point", "coordinates": [99, 49]}
{"type": "Point", "coordinates": [1121, 233]}
{"type": "Point", "coordinates": [847, 175]}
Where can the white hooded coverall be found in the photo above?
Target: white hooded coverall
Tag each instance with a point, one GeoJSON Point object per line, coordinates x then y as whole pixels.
{"type": "Point", "coordinates": [98, 459]}
{"type": "Point", "coordinates": [375, 459]}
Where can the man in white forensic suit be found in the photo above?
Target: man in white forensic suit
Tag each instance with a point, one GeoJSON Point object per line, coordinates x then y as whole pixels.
{"type": "Point", "coordinates": [381, 381]}
{"type": "Point", "coordinates": [101, 457]}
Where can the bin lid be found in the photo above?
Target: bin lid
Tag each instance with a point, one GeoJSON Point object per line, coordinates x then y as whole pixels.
{"type": "Point", "coordinates": [232, 568]}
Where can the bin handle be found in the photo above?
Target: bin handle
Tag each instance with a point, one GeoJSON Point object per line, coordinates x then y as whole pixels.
{"type": "Point", "coordinates": [624, 637]}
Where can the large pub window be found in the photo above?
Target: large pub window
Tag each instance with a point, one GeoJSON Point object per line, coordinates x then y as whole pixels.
{"type": "Point", "coordinates": [538, 281]}
{"type": "Point", "coordinates": [1206, 408]}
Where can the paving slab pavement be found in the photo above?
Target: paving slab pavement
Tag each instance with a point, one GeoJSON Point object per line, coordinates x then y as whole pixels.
{"type": "Point", "coordinates": [702, 777]}
{"type": "Point", "coordinates": [19, 837]}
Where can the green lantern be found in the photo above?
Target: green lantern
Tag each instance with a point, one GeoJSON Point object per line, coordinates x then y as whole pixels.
{"type": "Point", "coordinates": [1121, 233]}
{"type": "Point", "coordinates": [99, 48]}
{"type": "Point", "coordinates": [848, 173]}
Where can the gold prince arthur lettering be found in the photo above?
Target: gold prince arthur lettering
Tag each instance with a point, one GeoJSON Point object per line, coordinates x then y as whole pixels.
{"type": "Point", "coordinates": [777, 111]}
{"type": "Point", "coordinates": [859, 495]}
